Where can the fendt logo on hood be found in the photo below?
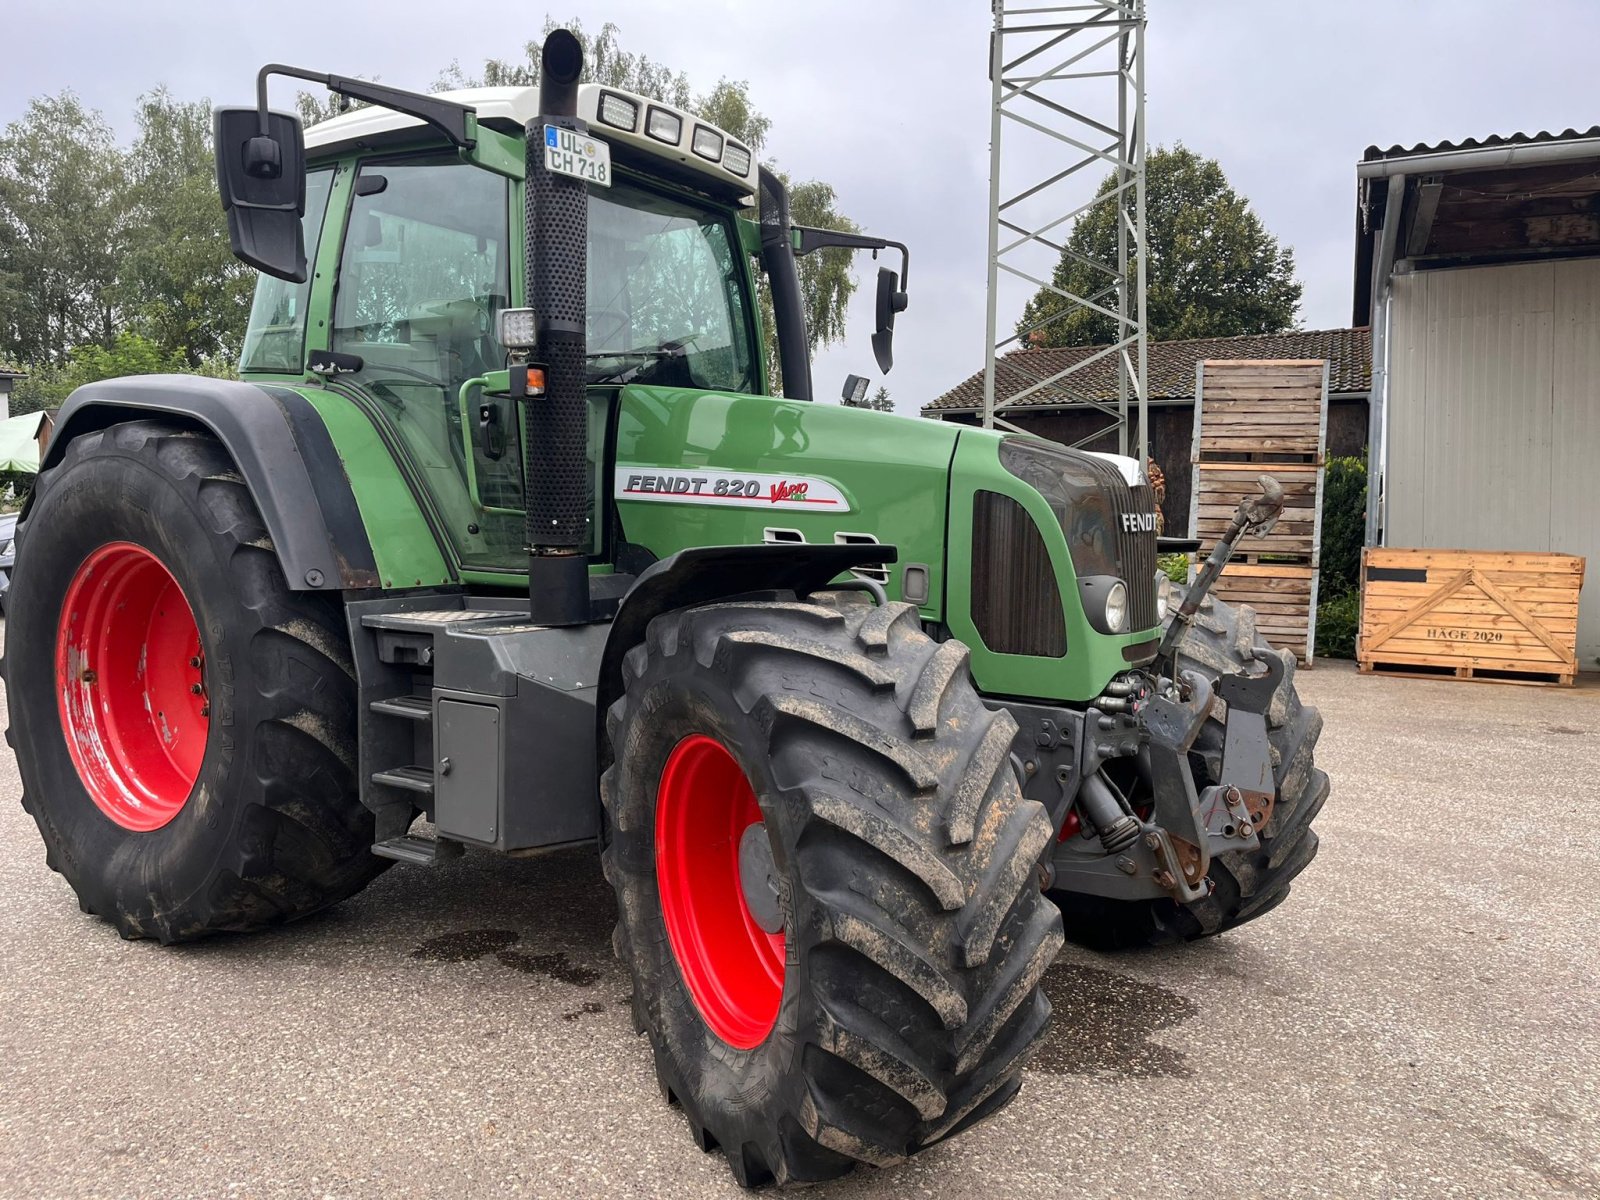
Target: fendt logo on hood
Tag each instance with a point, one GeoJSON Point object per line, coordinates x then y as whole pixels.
{"type": "Point", "coordinates": [1139, 522]}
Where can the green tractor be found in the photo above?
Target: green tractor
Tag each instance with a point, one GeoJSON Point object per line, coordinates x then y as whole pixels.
{"type": "Point", "coordinates": [505, 529]}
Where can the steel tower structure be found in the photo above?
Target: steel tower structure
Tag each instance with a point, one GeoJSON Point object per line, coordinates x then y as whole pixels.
{"type": "Point", "coordinates": [1066, 125]}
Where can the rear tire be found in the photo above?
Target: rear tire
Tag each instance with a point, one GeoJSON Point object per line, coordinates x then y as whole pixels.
{"type": "Point", "coordinates": [1248, 883]}
{"type": "Point", "coordinates": [263, 824]}
{"type": "Point", "coordinates": [904, 998]}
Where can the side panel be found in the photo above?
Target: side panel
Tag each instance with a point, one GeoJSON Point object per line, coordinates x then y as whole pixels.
{"type": "Point", "coordinates": [282, 449]}
{"type": "Point", "coordinates": [1092, 658]}
{"type": "Point", "coordinates": [815, 471]}
{"type": "Point", "coordinates": [405, 548]}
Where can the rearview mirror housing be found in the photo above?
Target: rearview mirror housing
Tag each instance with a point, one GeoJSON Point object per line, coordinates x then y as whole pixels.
{"type": "Point", "coordinates": [261, 178]}
{"type": "Point", "coordinates": [890, 300]}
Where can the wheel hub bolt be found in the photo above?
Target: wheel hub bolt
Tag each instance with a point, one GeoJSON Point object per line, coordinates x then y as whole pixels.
{"type": "Point", "coordinates": [195, 688]}
{"type": "Point", "coordinates": [194, 661]}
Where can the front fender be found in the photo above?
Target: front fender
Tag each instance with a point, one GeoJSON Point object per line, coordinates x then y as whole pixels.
{"type": "Point", "coordinates": [282, 450]}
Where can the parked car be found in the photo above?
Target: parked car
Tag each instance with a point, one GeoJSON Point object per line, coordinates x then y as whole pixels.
{"type": "Point", "coordinates": [8, 553]}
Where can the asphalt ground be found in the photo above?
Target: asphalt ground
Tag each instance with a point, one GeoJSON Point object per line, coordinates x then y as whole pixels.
{"type": "Point", "coordinates": [1419, 1019]}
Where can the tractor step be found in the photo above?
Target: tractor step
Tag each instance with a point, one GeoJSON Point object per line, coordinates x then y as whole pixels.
{"type": "Point", "coordinates": [434, 620]}
{"type": "Point", "coordinates": [408, 779]}
{"type": "Point", "coordinates": [411, 708]}
{"type": "Point", "coordinates": [419, 851]}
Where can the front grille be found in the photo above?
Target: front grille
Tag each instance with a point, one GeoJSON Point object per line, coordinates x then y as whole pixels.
{"type": "Point", "coordinates": [1136, 551]}
{"type": "Point", "coordinates": [1016, 603]}
{"type": "Point", "coordinates": [1089, 497]}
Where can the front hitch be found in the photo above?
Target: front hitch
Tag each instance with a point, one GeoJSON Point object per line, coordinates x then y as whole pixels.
{"type": "Point", "coordinates": [1162, 838]}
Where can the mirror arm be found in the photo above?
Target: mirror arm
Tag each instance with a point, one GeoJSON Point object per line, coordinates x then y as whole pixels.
{"type": "Point", "coordinates": [807, 239]}
{"type": "Point", "coordinates": [448, 118]}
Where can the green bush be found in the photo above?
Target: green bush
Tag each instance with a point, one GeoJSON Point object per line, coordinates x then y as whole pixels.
{"type": "Point", "coordinates": [1176, 567]}
{"type": "Point", "coordinates": [47, 386]}
{"type": "Point", "coordinates": [1344, 526]}
{"type": "Point", "coordinates": [1337, 623]}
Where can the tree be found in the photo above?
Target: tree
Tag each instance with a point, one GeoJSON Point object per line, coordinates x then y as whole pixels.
{"type": "Point", "coordinates": [878, 402]}
{"type": "Point", "coordinates": [178, 283]}
{"type": "Point", "coordinates": [62, 215]}
{"type": "Point", "coordinates": [1211, 267]}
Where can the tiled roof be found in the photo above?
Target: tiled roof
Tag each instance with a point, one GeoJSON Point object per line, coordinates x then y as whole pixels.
{"type": "Point", "coordinates": [1170, 365]}
{"type": "Point", "coordinates": [1494, 139]}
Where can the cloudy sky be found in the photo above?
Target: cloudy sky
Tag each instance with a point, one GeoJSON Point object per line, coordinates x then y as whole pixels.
{"type": "Point", "coordinates": [888, 100]}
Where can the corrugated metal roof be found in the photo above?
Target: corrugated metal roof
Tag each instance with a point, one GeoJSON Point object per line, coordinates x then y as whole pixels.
{"type": "Point", "coordinates": [1170, 366]}
{"type": "Point", "coordinates": [1494, 139]}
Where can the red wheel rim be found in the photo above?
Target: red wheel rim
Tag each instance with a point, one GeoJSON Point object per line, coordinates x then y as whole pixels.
{"type": "Point", "coordinates": [732, 967]}
{"type": "Point", "coordinates": [130, 681]}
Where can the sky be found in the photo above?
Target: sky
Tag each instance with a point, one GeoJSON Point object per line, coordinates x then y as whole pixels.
{"type": "Point", "coordinates": [889, 101]}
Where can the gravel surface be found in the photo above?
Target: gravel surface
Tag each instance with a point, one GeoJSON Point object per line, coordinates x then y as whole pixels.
{"type": "Point", "coordinates": [1419, 1019]}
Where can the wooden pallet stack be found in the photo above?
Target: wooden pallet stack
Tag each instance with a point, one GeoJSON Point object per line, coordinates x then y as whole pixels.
{"type": "Point", "coordinates": [1255, 417]}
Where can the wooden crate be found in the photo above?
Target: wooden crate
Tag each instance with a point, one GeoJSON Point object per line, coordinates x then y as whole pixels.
{"type": "Point", "coordinates": [1282, 596]}
{"type": "Point", "coordinates": [1255, 410]}
{"type": "Point", "coordinates": [1255, 417]}
{"type": "Point", "coordinates": [1470, 614]}
{"type": "Point", "coordinates": [1218, 488]}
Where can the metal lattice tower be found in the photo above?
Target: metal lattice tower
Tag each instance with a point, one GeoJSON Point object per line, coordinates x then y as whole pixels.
{"type": "Point", "coordinates": [1068, 125]}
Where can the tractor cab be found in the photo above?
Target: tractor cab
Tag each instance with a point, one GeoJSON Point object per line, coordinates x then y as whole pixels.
{"type": "Point", "coordinates": [425, 242]}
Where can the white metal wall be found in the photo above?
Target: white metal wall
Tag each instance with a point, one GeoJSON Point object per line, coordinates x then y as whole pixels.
{"type": "Point", "coordinates": [1494, 415]}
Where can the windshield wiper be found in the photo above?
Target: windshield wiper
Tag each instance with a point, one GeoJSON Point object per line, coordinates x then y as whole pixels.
{"type": "Point", "coordinates": [641, 357]}
{"type": "Point", "coordinates": [676, 348]}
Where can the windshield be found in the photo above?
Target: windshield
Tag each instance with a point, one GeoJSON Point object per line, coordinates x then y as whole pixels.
{"type": "Point", "coordinates": [667, 299]}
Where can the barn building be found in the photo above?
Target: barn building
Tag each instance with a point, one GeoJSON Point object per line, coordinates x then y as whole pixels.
{"type": "Point", "coordinates": [1478, 271]}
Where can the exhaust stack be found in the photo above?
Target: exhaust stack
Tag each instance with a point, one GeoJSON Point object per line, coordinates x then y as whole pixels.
{"type": "Point", "coordinates": [555, 426]}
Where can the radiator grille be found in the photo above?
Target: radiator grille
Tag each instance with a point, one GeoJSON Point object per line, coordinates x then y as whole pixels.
{"type": "Point", "coordinates": [1090, 498]}
{"type": "Point", "coordinates": [1016, 603]}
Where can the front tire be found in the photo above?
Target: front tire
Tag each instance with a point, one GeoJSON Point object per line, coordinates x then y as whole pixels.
{"type": "Point", "coordinates": [873, 986]}
{"type": "Point", "coordinates": [183, 722]}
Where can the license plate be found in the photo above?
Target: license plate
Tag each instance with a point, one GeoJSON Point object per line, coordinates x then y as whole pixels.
{"type": "Point", "coordinates": [578, 155]}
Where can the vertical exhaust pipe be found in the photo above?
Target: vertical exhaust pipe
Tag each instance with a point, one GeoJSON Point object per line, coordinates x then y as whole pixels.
{"type": "Point", "coordinates": [555, 426]}
{"type": "Point", "coordinates": [783, 276]}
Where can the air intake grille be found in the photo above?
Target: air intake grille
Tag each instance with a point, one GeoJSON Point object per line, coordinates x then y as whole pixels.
{"type": "Point", "coordinates": [1016, 603]}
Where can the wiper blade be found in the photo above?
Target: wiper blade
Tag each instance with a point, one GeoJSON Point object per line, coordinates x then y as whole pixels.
{"type": "Point", "coordinates": [672, 349]}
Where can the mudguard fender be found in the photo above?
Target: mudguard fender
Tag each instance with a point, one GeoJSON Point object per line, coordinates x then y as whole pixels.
{"type": "Point", "coordinates": [282, 450]}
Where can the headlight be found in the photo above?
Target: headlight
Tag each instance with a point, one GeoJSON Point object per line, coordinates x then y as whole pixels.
{"type": "Point", "coordinates": [1163, 595]}
{"type": "Point", "coordinates": [619, 111]}
{"type": "Point", "coordinates": [1117, 607]}
{"type": "Point", "coordinates": [707, 143]}
{"type": "Point", "coordinates": [736, 159]}
{"type": "Point", "coordinates": [515, 329]}
{"type": "Point", "coordinates": [664, 126]}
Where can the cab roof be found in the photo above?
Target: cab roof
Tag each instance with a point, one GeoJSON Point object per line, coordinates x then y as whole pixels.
{"type": "Point", "coordinates": [698, 148]}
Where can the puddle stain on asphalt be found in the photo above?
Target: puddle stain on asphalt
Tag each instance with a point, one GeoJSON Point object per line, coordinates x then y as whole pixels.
{"type": "Point", "coordinates": [555, 965]}
{"type": "Point", "coordinates": [469, 945]}
{"type": "Point", "coordinates": [1103, 1022]}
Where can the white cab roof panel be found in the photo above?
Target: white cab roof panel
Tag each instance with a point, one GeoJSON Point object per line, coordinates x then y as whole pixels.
{"type": "Point", "coordinates": [698, 147]}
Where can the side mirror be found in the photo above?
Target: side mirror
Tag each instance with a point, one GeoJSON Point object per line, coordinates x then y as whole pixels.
{"type": "Point", "coordinates": [890, 301]}
{"type": "Point", "coordinates": [261, 177]}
